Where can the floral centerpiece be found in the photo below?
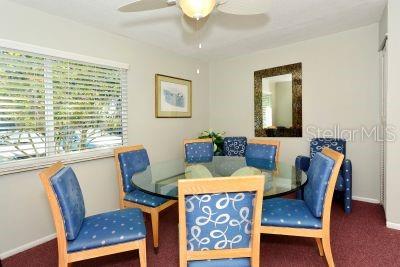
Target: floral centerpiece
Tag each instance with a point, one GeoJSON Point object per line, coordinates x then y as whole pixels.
{"type": "Point", "coordinates": [217, 138]}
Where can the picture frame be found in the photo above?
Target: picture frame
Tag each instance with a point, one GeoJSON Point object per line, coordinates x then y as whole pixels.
{"type": "Point", "coordinates": [173, 97]}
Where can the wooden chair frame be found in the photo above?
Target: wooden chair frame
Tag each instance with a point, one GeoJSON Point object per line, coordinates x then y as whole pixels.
{"type": "Point", "coordinates": [154, 212]}
{"type": "Point", "coordinates": [269, 142]}
{"type": "Point", "coordinates": [65, 258]}
{"type": "Point", "coordinates": [322, 236]}
{"type": "Point", "coordinates": [218, 185]}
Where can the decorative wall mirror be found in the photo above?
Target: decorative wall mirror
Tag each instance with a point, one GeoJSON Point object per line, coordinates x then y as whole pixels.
{"type": "Point", "coordinates": [278, 101]}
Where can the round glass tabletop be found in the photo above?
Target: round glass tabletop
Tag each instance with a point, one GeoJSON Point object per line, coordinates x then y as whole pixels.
{"type": "Point", "coordinates": [161, 178]}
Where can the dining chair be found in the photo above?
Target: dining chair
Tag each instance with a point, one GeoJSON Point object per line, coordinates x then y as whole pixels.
{"type": "Point", "coordinates": [344, 181]}
{"type": "Point", "coordinates": [235, 146]}
{"type": "Point", "coordinates": [79, 237]}
{"type": "Point", "coordinates": [219, 221]}
{"type": "Point", "coordinates": [309, 217]}
{"type": "Point", "coordinates": [261, 152]}
{"type": "Point", "coordinates": [198, 150]}
{"type": "Point", "coordinates": [128, 161]}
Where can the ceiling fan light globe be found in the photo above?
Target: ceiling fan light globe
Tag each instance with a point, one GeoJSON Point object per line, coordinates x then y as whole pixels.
{"type": "Point", "coordinates": [197, 9]}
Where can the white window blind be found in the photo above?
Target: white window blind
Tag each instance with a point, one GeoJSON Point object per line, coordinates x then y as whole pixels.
{"type": "Point", "coordinates": [53, 107]}
{"type": "Point", "coordinates": [267, 110]}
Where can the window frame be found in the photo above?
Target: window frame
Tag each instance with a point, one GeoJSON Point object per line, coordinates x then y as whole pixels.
{"type": "Point", "coordinates": [76, 156]}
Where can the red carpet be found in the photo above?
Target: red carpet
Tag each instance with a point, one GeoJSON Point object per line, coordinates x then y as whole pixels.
{"type": "Point", "coordinates": [358, 239]}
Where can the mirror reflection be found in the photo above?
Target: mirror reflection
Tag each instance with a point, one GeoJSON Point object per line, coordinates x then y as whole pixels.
{"type": "Point", "coordinates": [277, 101]}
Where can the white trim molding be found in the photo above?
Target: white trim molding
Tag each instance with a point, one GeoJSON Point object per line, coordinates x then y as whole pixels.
{"type": "Point", "coordinates": [395, 226]}
{"type": "Point", "coordinates": [44, 162]}
{"type": "Point", "coordinates": [366, 199]}
{"type": "Point", "coordinates": [61, 54]}
{"type": "Point", "coordinates": [27, 246]}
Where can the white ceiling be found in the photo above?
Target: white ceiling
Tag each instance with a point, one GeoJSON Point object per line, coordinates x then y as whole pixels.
{"type": "Point", "coordinates": [223, 35]}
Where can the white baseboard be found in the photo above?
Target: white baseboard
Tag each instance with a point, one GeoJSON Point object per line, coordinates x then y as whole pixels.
{"type": "Point", "coordinates": [366, 199]}
{"type": "Point", "coordinates": [27, 246]}
{"type": "Point", "coordinates": [391, 225]}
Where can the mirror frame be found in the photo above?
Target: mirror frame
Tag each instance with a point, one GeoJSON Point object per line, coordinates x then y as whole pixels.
{"type": "Point", "coordinates": [297, 126]}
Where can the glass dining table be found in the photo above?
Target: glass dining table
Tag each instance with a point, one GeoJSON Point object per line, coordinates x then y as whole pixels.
{"type": "Point", "coordinates": [161, 178]}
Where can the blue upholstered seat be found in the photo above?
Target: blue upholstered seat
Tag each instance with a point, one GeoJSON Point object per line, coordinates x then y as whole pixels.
{"type": "Point", "coordinates": [70, 199]}
{"type": "Point", "coordinates": [109, 228]}
{"type": "Point", "coordinates": [344, 181]}
{"type": "Point", "coordinates": [302, 213]}
{"type": "Point", "coordinates": [317, 181]}
{"type": "Point", "coordinates": [98, 230]}
{"type": "Point", "coordinates": [240, 262]}
{"type": "Point", "coordinates": [144, 198]}
{"type": "Point", "coordinates": [284, 212]}
{"type": "Point", "coordinates": [199, 152]}
{"type": "Point", "coordinates": [219, 221]}
{"type": "Point", "coordinates": [130, 163]}
{"type": "Point", "coordinates": [235, 146]}
{"type": "Point", "coordinates": [260, 155]}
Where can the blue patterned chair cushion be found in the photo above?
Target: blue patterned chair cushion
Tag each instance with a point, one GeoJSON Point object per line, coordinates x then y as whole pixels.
{"type": "Point", "coordinates": [140, 197]}
{"type": "Point", "coordinates": [235, 146]}
{"type": "Point", "coordinates": [109, 228]}
{"type": "Point", "coordinates": [318, 177]}
{"type": "Point", "coordinates": [219, 221]}
{"type": "Point", "coordinates": [317, 144]}
{"type": "Point", "coordinates": [258, 155]}
{"type": "Point", "coordinates": [69, 197]}
{"type": "Point", "coordinates": [240, 262]}
{"type": "Point", "coordinates": [303, 163]}
{"type": "Point", "coordinates": [131, 163]}
{"type": "Point", "coordinates": [340, 183]}
{"type": "Point", "coordinates": [284, 212]}
{"type": "Point", "coordinates": [199, 152]}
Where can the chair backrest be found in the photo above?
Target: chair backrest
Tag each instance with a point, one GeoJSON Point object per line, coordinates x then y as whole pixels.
{"type": "Point", "coordinates": [235, 146]}
{"type": "Point", "coordinates": [220, 218]}
{"type": "Point", "coordinates": [326, 162]}
{"type": "Point", "coordinates": [198, 150]}
{"type": "Point", "coordinates": [260, 152]}
{"type": "Point", "coordinates": [66, 201]}
{"type": "Point", "coordinates": [337, 144]}
{"type": "Point", "coordinates": [128, 161]}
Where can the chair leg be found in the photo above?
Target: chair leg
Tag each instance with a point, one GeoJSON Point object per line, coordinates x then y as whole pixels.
{"type": "Point", "coordinates": [63, 263]}
{"type": "Point", "coordinates": [320, 248]}
{"type": "Point", "coordinates": [154, 225]}
{"type": "Point", "coordinates": [62, 259]}
{"type": "Point", "coordinates": [326, 244]}
{"type": "Point", "coordinates": [142, 253]}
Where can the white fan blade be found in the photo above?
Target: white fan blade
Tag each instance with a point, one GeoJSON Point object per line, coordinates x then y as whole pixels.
{"type": "Point", "coordinates": [144, 5]}
{"type": "Point", "coordinates": [192, 25]}
{"type": "Point", "coordinates": [245, 7]}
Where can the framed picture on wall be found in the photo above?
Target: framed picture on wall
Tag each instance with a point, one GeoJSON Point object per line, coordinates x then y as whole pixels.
{"type": "Point", "coordinates": [173, 97]}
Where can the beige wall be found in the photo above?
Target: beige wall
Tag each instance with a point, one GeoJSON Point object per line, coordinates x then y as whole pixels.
{"type": "Point", "coordinates": [383, 25]}
{"type": "Point", "coordinates": [25, 215]}
{"type": "Point", "coordinates": [340, 85]}
{"type": "Point", "coordinates": [393, 118]}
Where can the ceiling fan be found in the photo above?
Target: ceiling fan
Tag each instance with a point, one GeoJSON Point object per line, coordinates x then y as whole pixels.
{"type": "Point", "coordinates": [200, 9]}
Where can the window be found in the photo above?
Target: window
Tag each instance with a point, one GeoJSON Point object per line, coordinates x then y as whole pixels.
{"type": "Point", "coordinates": [53, 106]}
{"type": "Point", "coordinates": [267, 110]}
